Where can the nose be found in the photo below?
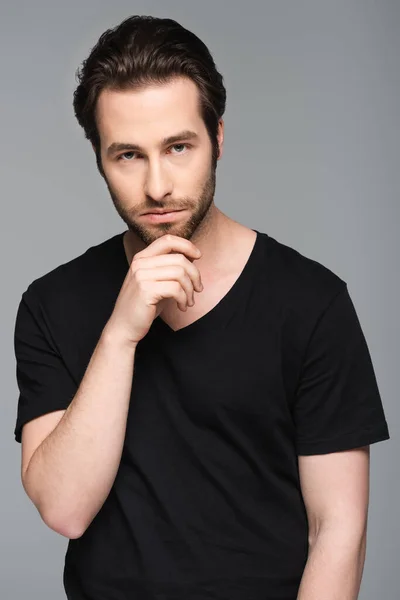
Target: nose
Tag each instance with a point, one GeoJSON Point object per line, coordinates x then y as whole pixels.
{"type": "Point", "coordinates": [157, 183]}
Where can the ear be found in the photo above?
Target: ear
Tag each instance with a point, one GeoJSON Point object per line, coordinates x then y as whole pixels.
{"type": "Point", "coordinates": [220, 137]}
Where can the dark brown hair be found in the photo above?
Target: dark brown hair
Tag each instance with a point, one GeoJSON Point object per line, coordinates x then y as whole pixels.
{"type": "Point", "coordinates": [144, 50]}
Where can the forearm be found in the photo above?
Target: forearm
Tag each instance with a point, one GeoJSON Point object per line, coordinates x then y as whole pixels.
{"type": "Point", "coordinates": [71, 473]}
{"type": "Point", "coordinates": [334, 567]}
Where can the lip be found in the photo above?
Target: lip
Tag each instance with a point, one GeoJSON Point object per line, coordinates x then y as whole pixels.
{"type": "Point", "coordinates": [161, 217]}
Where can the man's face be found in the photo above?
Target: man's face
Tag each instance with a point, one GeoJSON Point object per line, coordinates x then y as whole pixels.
{"type": "Point", "coordinates": [145, 171]}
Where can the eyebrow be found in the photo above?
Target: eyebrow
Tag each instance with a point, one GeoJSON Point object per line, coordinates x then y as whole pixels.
{"type": "Point", "coordinates": [182, 135]}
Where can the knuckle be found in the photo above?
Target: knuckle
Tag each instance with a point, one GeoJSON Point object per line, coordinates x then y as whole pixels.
{"type": "Point", "coordinates": [135, 263]}
{"type": "Point", "coordinates": [136, 271]}
{"type": "Point", "coordinates": [139, 275]}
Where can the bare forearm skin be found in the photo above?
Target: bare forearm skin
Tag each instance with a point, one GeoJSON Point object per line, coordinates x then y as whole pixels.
{"type": "Point", "coordinates": [71, 473]}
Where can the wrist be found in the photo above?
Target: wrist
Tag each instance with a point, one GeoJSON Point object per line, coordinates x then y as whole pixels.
{"type": "Point", "coordinates": [111, 335]}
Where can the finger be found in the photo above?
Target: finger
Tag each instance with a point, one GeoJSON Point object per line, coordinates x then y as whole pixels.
{"type": "Point", "coordinates": [168, 259]}
{"type": "Point", "coordinates": [172, 289]}
{"type": "Point", "coordinates": [168, 244]}
{"type": "Point", "coordinates": [169, 273]}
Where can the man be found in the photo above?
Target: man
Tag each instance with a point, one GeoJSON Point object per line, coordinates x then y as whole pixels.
{"type": "Point", "coordinates": [197, 399]}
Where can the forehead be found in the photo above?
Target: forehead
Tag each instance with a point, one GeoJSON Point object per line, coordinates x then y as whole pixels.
{"type": "Point", "coordinates": [150, 113]}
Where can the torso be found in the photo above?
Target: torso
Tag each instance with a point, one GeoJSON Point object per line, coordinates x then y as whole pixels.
{"type": "Point", "coordinates": [207, 491]}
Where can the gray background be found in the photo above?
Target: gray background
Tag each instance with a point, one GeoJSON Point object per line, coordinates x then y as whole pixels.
{"type": "Point", "coordinates": [311, 157]}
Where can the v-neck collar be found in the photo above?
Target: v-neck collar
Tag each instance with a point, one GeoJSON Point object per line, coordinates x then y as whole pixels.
{"type": "Point", "coordinates": [212, 317]}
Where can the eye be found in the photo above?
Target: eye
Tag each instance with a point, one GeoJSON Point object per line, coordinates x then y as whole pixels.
{"type": "Point", "coordinates": [120, 157]}
{"type": "Point", "coordinates": [180, 146]}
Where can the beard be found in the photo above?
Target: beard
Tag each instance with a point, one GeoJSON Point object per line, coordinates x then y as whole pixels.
{"type": "Point", "coordinates": [199, 209]}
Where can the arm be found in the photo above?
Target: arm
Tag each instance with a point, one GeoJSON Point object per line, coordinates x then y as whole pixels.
{"type": "Point", "coordinates": [335, 489]}
{"type": "Point", "coordinates": [72, 471]}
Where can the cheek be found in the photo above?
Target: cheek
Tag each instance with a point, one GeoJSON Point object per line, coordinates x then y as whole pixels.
{"type": "Point", "coordinates": [123, 183]}
{"type": "Point", "coordinates": [194, 178]}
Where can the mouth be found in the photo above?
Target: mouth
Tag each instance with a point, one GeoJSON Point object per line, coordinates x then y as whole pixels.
{"type": "Point", "coordinates": [158, 217]}
{"type": "Point", "coordinates": [160, 212]}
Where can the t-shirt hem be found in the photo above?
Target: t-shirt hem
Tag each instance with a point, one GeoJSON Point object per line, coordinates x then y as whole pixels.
{"type": "Point", "coordinates": [346, 442]}
{"type": "Point", "coordinates": [34, 415]}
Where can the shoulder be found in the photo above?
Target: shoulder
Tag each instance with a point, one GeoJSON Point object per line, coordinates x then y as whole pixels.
{"type": "Point", "coordinates": [77, 278]}
{"type": "Point", "coordinates": [298, 282]}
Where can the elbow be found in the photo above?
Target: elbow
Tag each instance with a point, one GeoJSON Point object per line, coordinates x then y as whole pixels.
{"type": "Point", "coordinates": [71, 525]}
{"type": "Point", "coordinates": [65, 527]}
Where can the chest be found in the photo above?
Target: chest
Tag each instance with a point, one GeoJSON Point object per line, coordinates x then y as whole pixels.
{"type": "Point", "coordinates": [228, 381]}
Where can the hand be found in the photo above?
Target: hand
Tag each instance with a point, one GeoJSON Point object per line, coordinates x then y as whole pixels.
{"type": "Point", "coordinates": [162, 270]}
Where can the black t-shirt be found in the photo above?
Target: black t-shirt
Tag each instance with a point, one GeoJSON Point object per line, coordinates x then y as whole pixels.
{"type": "Point", "coordinates": [206, 503]}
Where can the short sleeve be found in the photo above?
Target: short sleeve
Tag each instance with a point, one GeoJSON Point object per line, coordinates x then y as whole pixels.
{"type": "Point", "coordinates": [44, 382]}
{"type": "Point", "coordinates": [338, 404]}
